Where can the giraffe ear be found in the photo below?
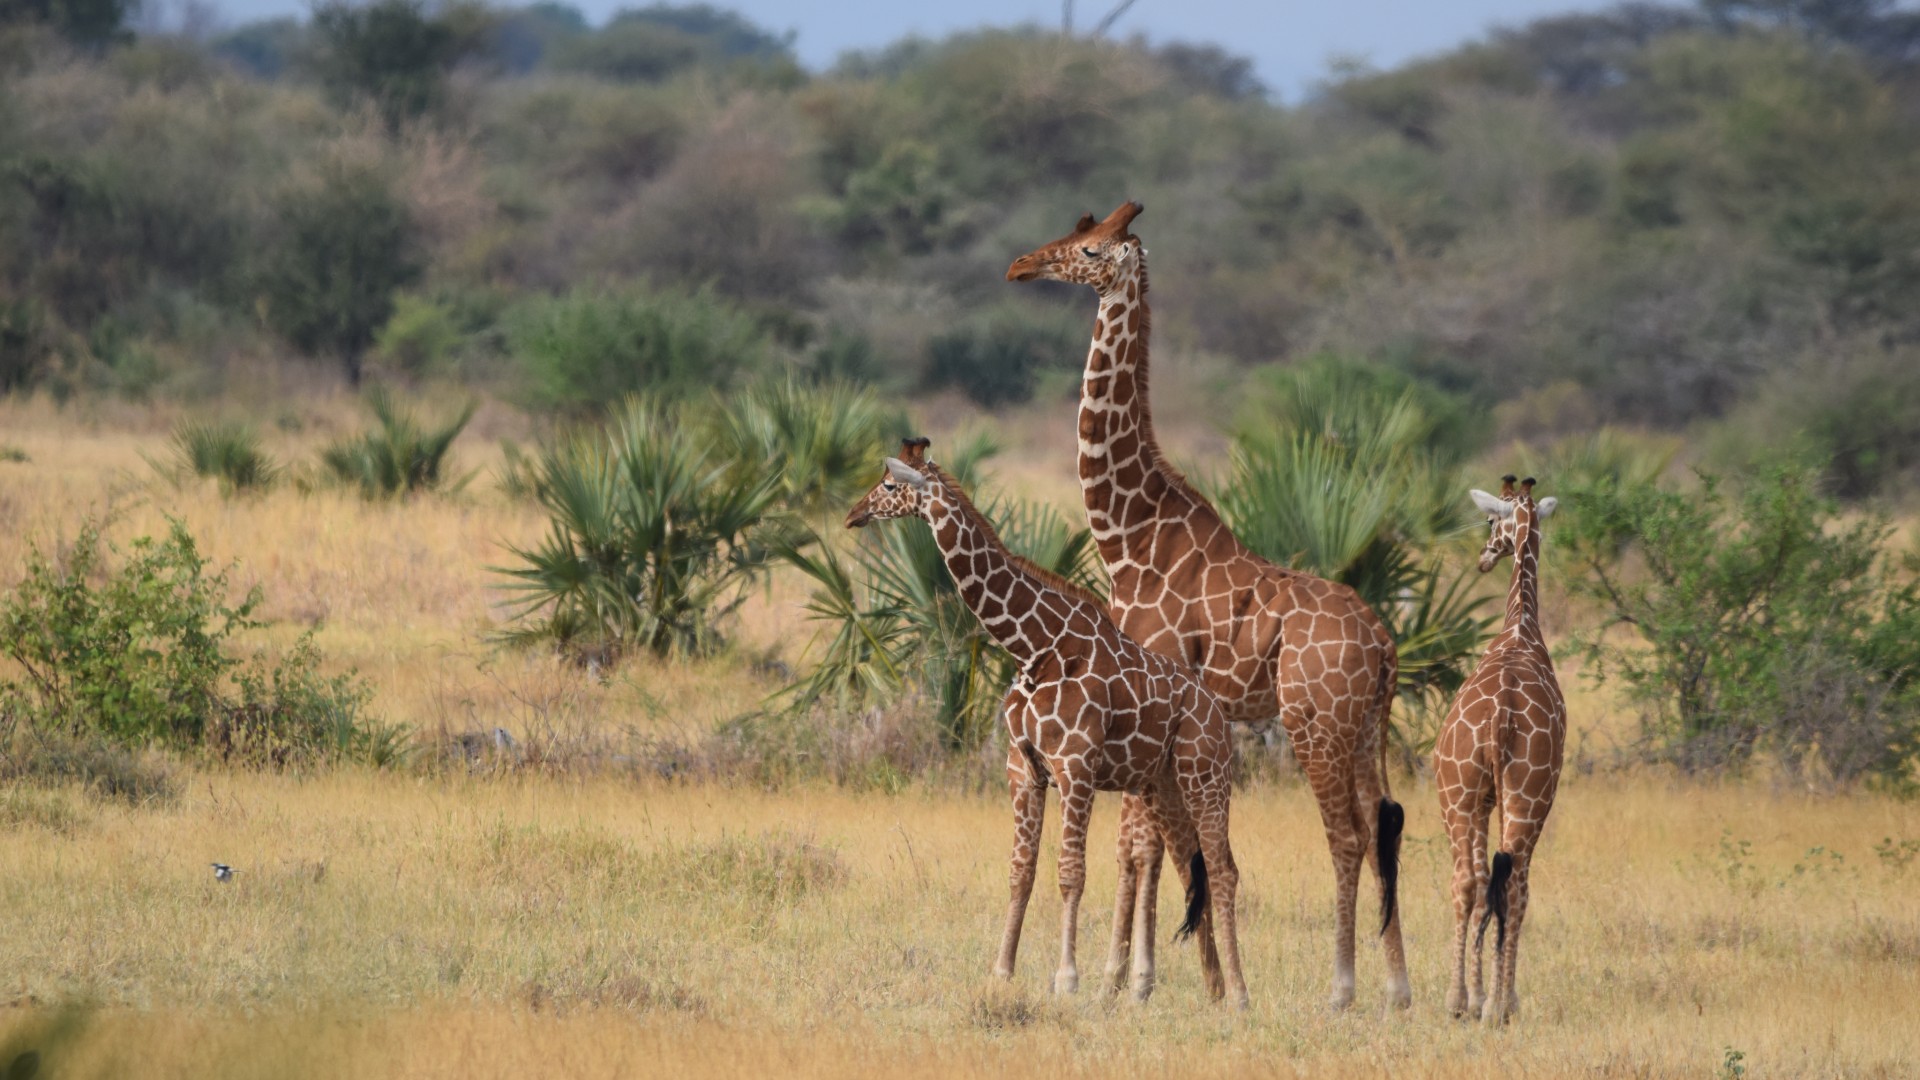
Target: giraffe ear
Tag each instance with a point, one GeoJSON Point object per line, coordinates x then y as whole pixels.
{"type": "Point", "coordinates": [1492, 504]}
{"type": "Point", "coordinates": [906, 474]}
{"type": "Point", "coordinates": [1546, 507]}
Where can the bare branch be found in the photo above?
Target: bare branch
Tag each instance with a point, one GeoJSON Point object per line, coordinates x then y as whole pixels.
{"type": "Point", "coordinates": [1112, 17]}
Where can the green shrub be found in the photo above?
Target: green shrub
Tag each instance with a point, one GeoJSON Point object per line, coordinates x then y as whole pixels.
{"type": "Point", "coordinates": [585, 351]}
{"type": "Point", "coordinates": [419, 338]}
{"type": "Point", "coordinates": [228, 452]}
{"type": "Point", "coordinates": [654, 540]}
{"type": "Point", "coordinates": [1766, 623]}
{"type": "Point", "coordinates": [402, 457]}
{"type": "Point", "coordinates": [345, 242]}
{"type": "Point", "coordinates": [142, 653]}
{"type": "Point", "coordinates": [998, 358]}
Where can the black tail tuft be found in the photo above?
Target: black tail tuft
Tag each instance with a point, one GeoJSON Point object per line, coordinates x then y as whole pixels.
{"type": "Point", "coordinates": [1393, 819]}
{"type": "Point", "coordinates": [1196, 898]}
{"type": "Point", "coordinates": [1497, 901]}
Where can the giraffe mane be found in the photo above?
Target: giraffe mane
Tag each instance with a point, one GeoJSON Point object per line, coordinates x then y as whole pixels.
{"type": "Point", "coordinates": [1143, 378]}
{"type": "Point", "coordinates": [1039, 573]}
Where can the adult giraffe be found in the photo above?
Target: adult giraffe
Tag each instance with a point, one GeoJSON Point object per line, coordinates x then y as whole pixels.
{"type": "Point", "coordinates": [1089, 710]}
{"type": "Point", "coordinates": [1268, 640]}
{"type": "Point", "coordinates": [1500, 746]}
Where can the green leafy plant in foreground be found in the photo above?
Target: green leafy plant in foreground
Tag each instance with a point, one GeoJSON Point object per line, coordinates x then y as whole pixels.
{"type": "Point", "coordinates": [141, 651]}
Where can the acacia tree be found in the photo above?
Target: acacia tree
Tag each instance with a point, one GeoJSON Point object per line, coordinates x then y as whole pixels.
{"type": "Point", "coordinates": [394, 52]}
{"type": "Point", "coordinates": [347, 244]}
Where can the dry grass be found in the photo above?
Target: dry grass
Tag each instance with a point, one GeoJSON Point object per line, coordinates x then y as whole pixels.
{"type": "Point", "coordinates": [539, 923]}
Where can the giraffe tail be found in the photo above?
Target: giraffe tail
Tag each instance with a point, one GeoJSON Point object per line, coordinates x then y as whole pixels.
{"type": "Point", "coordinates": [1393, 819]}
{"type": "Point", "coordinates": [1497, 901]}
{"type": "Point", "coordinates": [1197, 898]}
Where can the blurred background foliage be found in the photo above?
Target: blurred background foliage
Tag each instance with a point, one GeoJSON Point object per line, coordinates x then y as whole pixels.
{"type": "Point", "coordinates": [1689, 218]}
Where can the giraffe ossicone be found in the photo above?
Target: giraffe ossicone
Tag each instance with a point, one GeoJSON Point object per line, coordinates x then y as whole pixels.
{"type": "Point", "coordinates": [1090, 711]}
{"type": "Point", "coordinates": [1500, 747]}
{"type": "Point", "coordinates": [1270, 642]}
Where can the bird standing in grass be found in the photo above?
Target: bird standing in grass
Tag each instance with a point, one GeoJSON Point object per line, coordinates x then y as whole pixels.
{"type": "Point", "coordinates": [223, 873]}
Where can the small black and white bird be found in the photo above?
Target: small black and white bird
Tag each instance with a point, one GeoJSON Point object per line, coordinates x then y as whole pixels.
{"type": "Point", "coordinates": [223, 872]}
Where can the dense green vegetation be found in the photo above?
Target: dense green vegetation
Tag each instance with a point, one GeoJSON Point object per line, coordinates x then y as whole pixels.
{"type": "Point", "coordinates": [126, 650]}
{"type": "Point", "coordinates": [1653, 215]}
{"type": "Point", "coordinates": [1777, 625]}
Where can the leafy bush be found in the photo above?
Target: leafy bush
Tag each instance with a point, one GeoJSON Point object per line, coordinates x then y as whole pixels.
{"type": "Point", "coordinates": [997, 358]}
{"type": "Point", "coordinates": [419, 338]}
{"type": "Point", "coordinates": [141, 653]}
{"type": "Point", "coordinates": [1859, 415]}
{"type": "Point", "coordinates": [402, 457]}
{"type": "Point", "coordinates": [346, 243]}
{"type": "Point", "coordinates": [228, 452]}
{"type": "Point", "coordinates": [395, 53]}
{"type": "Point", "coordinates": [585, 351]}
{"type": "Point", "coordinates": [654, 539]}
{"type": "Point", "coordinates": [1767, 623]}
{"type": "Point", "coordinates": [105, 769]}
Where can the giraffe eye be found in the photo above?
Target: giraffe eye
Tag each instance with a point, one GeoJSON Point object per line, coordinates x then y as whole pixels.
{"type": "Point", "coordinates": [1089, 253]}
{"type": "Point", "coordinates": [889, 485]}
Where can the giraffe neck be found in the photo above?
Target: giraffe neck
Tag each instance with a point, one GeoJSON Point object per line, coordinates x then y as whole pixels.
{"type": "Point", "coordinates": [1118, 454]}
{"type": "Point", "coordinates": [1001, 590]}
{"type": "Point", "coordinates": [1523, 595]}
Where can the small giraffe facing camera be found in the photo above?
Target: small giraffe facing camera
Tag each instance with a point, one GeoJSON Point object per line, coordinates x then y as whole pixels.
{"type": "Point", "coordinates": [1500, 746]}
{"type": "Point", "coordinates": [1090, 710]}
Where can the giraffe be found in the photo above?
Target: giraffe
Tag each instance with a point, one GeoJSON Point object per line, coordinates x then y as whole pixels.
{"type": "Point", "coordinates": [1089, 710]}
{"type": "Point", "coordinates": [1500, 745]}
{"type": "Point", "coordinates": [1268, 640]}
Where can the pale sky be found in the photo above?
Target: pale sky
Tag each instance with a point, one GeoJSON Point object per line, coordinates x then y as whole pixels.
{"type": "Point", "coordinates": [1290, 44]}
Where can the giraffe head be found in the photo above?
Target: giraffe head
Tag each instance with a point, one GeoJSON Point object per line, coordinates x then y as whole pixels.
{"type": "Point", "coordinates": [903, 490]}
{"type": "Point", "coordinates": [1506, 512]}
{"type": "Point", "coordinates": [1102, 254]}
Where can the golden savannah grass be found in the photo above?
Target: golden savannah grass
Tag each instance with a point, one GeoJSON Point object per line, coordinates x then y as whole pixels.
{"type": "Point", "coordinates": [530, 923]}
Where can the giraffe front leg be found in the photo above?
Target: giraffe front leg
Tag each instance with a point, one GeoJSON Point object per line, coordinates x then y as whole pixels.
{"type": "Point", "coordinates": [1076, 808]}
{"type": "Point", "coordinates": [1029, 814]}
{"type": "Point", "coordinates": [1124, 897]}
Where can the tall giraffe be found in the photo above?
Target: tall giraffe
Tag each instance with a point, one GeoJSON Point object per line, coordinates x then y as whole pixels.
{"type": "Point", "coordinates": [1268, 640]}
{"type": "Point", "coordinates": [1090, 710]}
{"type": "Point", "coordinates": [1500, 746]}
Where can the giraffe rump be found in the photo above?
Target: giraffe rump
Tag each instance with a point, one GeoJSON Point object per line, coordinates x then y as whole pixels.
{"type": "Point", "coordinates": [1197, 898]}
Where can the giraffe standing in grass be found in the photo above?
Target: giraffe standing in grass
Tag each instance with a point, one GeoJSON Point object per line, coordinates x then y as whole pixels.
{"type": "Point", "coordinates": [1090, 710]}
{"type": "Point", "coordinates": [1500, 747]}
{"type": "Point", "coordinates": [1269, 641]}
